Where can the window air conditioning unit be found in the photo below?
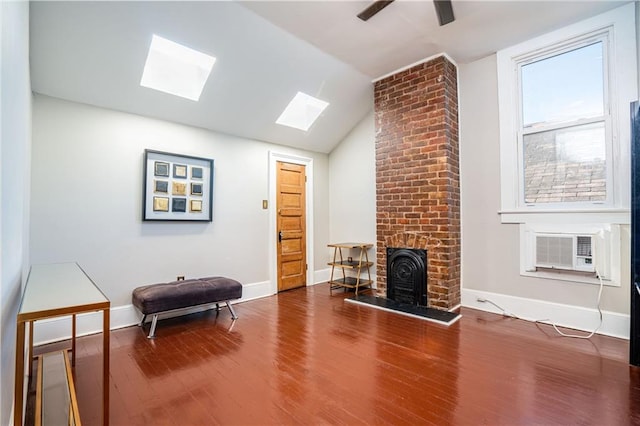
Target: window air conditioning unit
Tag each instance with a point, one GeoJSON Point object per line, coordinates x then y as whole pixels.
{"type": "Point", "coordinates": [565, 251]}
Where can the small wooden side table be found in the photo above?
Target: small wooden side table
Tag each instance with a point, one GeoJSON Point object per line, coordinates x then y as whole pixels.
{"type": "Point", "coordinates": [350, 266]}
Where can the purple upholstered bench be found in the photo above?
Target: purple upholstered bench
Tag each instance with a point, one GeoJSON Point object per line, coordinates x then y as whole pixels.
{"type": "Point", "coordinates": [159, 298]}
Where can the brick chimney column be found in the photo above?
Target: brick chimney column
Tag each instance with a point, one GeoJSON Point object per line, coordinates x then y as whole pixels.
{"type": "Point", "coordinates": [417, 174]}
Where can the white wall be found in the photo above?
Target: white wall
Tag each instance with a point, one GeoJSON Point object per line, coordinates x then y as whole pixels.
{"type": "Point", "coordinates": [15, 144]}
{"type": "Point", "coordinates": [490, 250]}
{"type": "Point", "coordinates": [87, 198]}
{"type": "Point", "coordinates": [352, 187]}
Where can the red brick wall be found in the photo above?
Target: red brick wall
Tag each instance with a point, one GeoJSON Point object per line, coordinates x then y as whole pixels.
{"type": "Point", "coordinates": [417, 175]}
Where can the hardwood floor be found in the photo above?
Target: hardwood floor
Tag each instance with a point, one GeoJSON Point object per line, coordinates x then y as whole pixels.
{"type": "Point", "coordinates": [305, 357]}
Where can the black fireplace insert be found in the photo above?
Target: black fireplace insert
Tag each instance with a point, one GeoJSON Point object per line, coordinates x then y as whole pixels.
{"type": "Point", "coordinates": [407, 275]}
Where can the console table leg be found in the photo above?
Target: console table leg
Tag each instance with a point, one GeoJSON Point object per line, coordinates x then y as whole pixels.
{"type": "Point", "coordinates": [30, 348]}
{"type": "Point", "coordinates": [106, 329]}
{"type": "Point", "coordinates": [19, 379]}
{"type": "Point", "coordinates": [73, 340]}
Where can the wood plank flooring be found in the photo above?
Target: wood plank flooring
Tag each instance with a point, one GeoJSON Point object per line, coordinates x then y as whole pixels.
{"type": "Point", "coordinates": [305, 357]}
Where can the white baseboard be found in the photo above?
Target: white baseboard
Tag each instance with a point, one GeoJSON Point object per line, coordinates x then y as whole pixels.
{"type": "Point", "coordinates": [321, 276]}
{"type": "Point", "coordinates": [59, 328]}
{"type": "Point", "coordinates": [575, 317]}
{"type": "Point", "coordinates": [255, 291]}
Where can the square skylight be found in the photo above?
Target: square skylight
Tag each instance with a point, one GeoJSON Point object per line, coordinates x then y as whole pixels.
{"type": "Point", "coordinates": [302, 111]}
{"type": "Point", "coordinates": [175, 69]}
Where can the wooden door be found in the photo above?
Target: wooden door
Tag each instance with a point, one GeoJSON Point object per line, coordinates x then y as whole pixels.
{"type": "Point", "coordinates": [291, 237]}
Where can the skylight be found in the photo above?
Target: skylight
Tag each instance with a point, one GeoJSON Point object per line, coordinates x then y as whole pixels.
{"type": "Point", "coordinates": [175, 69]}
{"type": "Point", "coordinates": [302, 111]}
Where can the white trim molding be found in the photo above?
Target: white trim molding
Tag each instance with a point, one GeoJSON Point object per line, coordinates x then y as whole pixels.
{"type": "Point", "coordinates": [421, 61]}
{"type": "Point", "coordinates": [272, 249]}
{"type": "Point", "coordinates": [613, 216]}
{"type": "Point", "coordinates": [59, 328]}
{"type": "Point", "coordinates": [321, 276]}
{"type": "Point", "coordinates": [576, 317]}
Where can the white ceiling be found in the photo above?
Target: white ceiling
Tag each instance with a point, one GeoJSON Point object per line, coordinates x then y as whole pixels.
{"type": "Point", "coordinates": [407, 31]}
{"type": "Point", "coordinates": [94, 52]}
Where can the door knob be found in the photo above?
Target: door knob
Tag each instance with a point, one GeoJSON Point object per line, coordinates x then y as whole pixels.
{"type": "Point", "coordinates": [280, 236]}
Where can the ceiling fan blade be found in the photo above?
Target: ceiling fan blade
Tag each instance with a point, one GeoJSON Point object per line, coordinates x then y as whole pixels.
{"type": "Point", "coordinates": [444, 11]}
{"type": "Point", "coordinates": [374, 8]}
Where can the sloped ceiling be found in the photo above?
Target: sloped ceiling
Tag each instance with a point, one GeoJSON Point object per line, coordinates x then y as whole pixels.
{"type": "Point", "coordinates": [94, 53]}
{"type": "Point", "coordinates": [407, 31]}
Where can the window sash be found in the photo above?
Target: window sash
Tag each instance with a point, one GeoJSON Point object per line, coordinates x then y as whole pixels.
{"type": "Point", "coordinates": [563, 125]}
{"type": "Point", "coordinates": [554, 64]}
{"type": "Point", "coordinates": [545, 53]}
{"type": "Point", "coordinates": [573, 204]}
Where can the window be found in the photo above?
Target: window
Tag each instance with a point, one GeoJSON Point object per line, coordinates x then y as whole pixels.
{"type": "Point", "coordinates": [563, 99]}
{"type": "Point", "coordinates": [564, 124]}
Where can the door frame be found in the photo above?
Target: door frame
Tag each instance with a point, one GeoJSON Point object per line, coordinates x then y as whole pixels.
{"type": "Point", "coordinates": [274, 157]}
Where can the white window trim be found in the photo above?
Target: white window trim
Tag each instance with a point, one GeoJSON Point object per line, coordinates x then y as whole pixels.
{"type": "Point", "coordinates": [622, 83]}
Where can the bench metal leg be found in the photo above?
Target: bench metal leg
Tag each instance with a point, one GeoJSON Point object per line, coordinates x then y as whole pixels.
{"type": "Point", "coordinates": [154, 319]}
{"type": "Point", "coordinates": [233, 313]}
{"type": "Point", "coordinates": [152, 332]}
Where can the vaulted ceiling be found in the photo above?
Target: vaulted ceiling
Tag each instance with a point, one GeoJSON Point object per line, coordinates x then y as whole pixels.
{"type": "Point", "coordinates": [94, 53]}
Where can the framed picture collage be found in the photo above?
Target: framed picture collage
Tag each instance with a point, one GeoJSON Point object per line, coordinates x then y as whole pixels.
{"type": "Point", "coordinates": [177, 187]}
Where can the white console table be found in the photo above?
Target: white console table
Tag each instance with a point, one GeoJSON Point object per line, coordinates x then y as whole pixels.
{"type": "Point", "coordinates": [54, 290]}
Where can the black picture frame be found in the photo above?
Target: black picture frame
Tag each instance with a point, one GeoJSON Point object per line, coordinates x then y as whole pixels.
{"type": "Point", "coordinates": [164, 171]}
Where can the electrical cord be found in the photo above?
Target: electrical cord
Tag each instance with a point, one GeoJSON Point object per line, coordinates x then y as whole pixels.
{"type": "Point", "coordinates": [578, 336]}
{"type": "Point", "coordinates": [505, 313]}
{"type": "Point", "coordinates": [548, 322]}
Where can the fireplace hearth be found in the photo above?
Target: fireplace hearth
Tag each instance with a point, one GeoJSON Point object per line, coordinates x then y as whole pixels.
{"type": "Point", "coordinates": [420, 312]}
